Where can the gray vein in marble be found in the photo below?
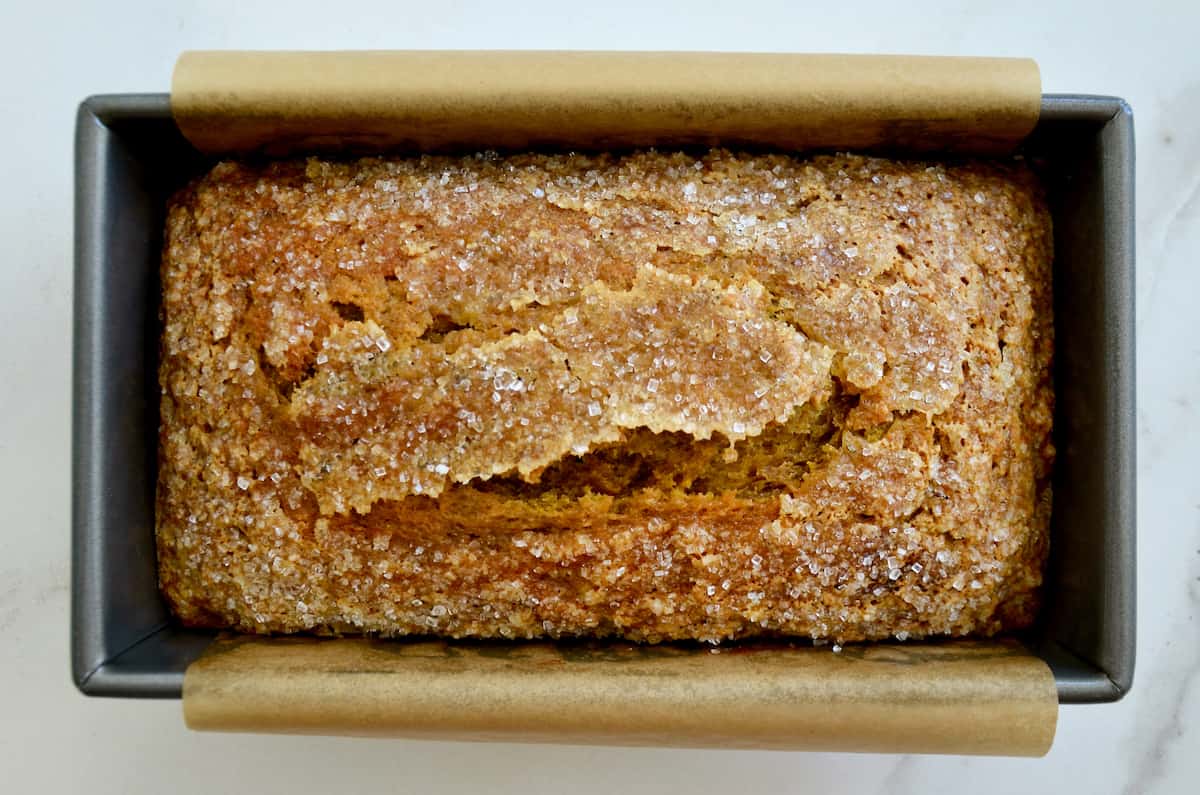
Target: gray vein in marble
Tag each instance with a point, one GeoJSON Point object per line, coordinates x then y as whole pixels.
{"type": "Point", "coordinates": [13, 599]}
{"type": "Point", "coordinates": [1152, 765]}
{"type": "Point", "coordinates": [1176, 151]}
{"type": "Point", "coordinates": [899, 778]}
{"type": "Point", "coordinates": [8, 607]}
{"type": "Point", "coordinates": [1183, 211]}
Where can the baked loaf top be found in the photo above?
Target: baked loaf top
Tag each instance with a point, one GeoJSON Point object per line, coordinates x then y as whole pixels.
{"type": "Point", "coordinates": [656, 396]}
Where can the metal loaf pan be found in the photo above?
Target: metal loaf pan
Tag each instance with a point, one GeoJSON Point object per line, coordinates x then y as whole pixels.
{"type": "Point", "coordinates": [130, 157]}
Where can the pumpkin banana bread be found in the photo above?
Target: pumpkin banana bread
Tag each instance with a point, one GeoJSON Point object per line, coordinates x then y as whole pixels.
{"type": "Point", "coordinates": [653, 396]}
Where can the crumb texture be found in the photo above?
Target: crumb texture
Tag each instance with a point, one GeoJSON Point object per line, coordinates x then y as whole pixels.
{"type": "Point", "coordinates": [654, 396]}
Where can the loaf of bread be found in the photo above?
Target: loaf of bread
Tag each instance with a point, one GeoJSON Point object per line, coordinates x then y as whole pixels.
{"type": "Point", "coordinates": [651, 396]}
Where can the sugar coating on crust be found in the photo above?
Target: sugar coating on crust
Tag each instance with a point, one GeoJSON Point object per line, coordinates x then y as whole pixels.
{"type": "Point", "coordinates": [675, 353]}
{"type": "Point", "coordinates": [655, 396]}
{"type": "Point", "coordinates": [387, 422]}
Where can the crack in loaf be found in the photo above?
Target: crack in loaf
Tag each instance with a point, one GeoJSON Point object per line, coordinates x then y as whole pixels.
{"type": "Point", "coordinates": [655, 396]}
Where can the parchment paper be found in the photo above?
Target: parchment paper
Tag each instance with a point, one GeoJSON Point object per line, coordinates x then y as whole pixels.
{"type": "Point", "coordinates": [282, 102]}
{"type": "Point", "coordinates": [952, 698]}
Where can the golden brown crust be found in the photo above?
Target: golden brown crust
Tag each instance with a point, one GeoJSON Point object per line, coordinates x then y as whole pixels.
{"type": "Point", "coordinates": [653, 396]}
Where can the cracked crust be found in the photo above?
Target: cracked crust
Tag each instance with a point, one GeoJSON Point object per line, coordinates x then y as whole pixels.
{"type": "Point", "coordinates": [655, 396]}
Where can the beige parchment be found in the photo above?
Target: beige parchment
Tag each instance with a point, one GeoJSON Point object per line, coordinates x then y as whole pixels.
{"type": "Point", "coordinates": [284, 102]}
{"type": "Point", "coordinates": [966, 697]}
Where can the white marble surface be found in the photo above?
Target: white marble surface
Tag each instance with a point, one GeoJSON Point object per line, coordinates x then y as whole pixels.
{"type": "Point", "coordinates": [53, 739]}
